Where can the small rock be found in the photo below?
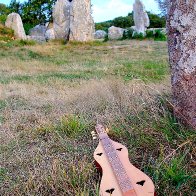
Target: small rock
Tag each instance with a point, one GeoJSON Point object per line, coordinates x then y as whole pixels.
{"type": "Point", "coordinates": [37, 33]}
{"type": "Point", "coordinates": [49, 35]}
{"type": "Point", "coordinates": [100, 34]}
{"type": "Point", "coordinates": [115, 33]}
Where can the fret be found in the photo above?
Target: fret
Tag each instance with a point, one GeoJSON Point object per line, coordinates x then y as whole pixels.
{"type": "Point", "coordinates": [120, 173]}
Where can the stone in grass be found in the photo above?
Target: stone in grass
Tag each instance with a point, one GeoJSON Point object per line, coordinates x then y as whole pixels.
{"type": "Point", "coordinates": [100, 34]}
{"type": "Point", "coordinates": [37, 33]}
{"type": "Point", "coordinates": [115, 33]}
{"type": "Point", "coordinates": [14, 22]}
{"type": "Point", "coordinates": [49, 34]}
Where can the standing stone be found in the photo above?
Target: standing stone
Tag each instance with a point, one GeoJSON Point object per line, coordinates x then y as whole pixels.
{"type": "Point", "coordinates": [49, 35]}
{"type": "Point", "coordinates": [100, 34]}
{"type": "Point", "coordinates": [182, 52]}
{"type": "Point", "coordinates": [81, 22]}
{"type": "Point", "coordinates": [61, 19]}
{"type": "Point", "coordinates": [141, 18]}
{"type": "Point", "coordinates": [37, 33]}
{"type": "Point", "coordinates": [14, 22]}
{"type": "Point", "coordinates": [115, 33]}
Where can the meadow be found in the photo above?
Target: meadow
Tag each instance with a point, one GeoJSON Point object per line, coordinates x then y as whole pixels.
{"type": "Point", "coordinates": [53, 94]}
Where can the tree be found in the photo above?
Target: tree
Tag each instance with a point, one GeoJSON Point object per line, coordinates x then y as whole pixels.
{"type": "Point", "coordinates": [33, 12]}
{"type": "Point", "coordinates": [163, 6]}
{"type": "Point", "coordinates": [156, 21]}
{"type": "Point", "coordinates": [15, 6]}
{"type": "Point", "coordinates": [182, 55]}
{"type": "Point", "coordinates": [4, 11]}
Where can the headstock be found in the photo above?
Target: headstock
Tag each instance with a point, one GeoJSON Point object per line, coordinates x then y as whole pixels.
{"type": "Point", "coordinates": [94, 135]}
{"type": "Point", "coordinates": [100, 131]}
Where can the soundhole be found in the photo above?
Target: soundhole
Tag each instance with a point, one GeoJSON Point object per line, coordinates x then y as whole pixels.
{"type": "Point", "coordinates": [110, 191]}
{"type": "Point", "coordinates": [119, 149]}
{"type": "Point", "coordinates": [99, 154]}
{"type": "Point", "coordinates": [141, 182]}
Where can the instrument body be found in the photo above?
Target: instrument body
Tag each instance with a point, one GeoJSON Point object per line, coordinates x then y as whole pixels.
{"type": "Point", "coordinates": [120, 177]}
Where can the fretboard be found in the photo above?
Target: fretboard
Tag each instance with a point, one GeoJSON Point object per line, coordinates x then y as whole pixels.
{"type": "Point", "coordinates": [117, 167]}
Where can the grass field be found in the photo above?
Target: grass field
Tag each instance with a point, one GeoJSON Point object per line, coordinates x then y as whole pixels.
{"type": "Point", "coordinates": [51, 97]}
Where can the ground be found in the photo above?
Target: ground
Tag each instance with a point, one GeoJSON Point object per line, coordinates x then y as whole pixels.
{"type": "Point", "coordinates": [52, 95]}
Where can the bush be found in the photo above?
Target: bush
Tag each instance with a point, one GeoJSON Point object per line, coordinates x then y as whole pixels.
{"type": "Point", "coordinates": [106, 38]}
{"type": "Point", "coordinates": [159, 36]}
{"type": "Point", "coordinates": [139, 36]}
{"type": "Point", "coordinates": [128, 33]}
{"type": "Point", "coordinates": [149, 34]}
{"type": "Point", "coordinates": [3, 19]}
{"type": "Point", "coordinates": [6, 34]}
{"type": "Point", "coordinates": [27, 27]}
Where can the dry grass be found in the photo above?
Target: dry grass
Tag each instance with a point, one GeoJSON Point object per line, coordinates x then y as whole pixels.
{"type": "Point", "coordinates": [52, 95]}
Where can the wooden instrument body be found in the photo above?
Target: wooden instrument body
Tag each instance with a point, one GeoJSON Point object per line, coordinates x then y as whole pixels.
{"type": "Point", "coordinates": [109, 180]}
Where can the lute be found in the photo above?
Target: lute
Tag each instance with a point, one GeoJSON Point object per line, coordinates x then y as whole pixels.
{"type": "Point", "coordinates": [119, 176]}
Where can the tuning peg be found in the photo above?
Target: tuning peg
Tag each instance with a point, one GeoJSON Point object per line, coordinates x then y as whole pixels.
{"type": "Point", "coordinates": [94, 135]}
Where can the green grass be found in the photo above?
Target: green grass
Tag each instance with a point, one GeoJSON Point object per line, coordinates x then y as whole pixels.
{"type": "Point", "coordinates": [144, 70]}
{"type": "Point", "coordinates": [52, 95]}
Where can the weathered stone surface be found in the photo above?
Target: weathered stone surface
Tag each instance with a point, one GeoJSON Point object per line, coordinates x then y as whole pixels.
{"type": "Point", "coordinates": [38, 30]}
{"type": "Point", "coordinates": [141, 18]}
{"type": "Point", "coordinates": [115, 33]}
{"type": "Point", "coordinates": [61, 19]}
{"type": "Point", "coordinates": [49, 35]}
{"type": "Point", "coordinates": [182, 54]}
{"type": "Point", "coordinates": [81, 22]}
{"type": "Point", "coordinates": [14, 22]}
{"type": "Point", "coordinates": [37, 33]}
{"type": "Point", "coordinates": [100, 34]}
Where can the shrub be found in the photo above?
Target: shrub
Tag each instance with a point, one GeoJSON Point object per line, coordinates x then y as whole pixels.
{"type": "Point", "coordinates": [106, 38]}
{"type": "Point", "coordinates": [3, 19]}
{"type": "Point", "coordinates": [159, 36]}
{"type": "Point", "coordinates": [6, 34]}
{"type": "Point", "coordinates": [149, 34]}
{"type": "Point", "coordinates": [139, 36]}
{"type": "Point", "coordinates": [128, 33]}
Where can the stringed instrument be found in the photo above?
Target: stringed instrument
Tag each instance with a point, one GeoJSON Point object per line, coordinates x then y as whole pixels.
{"type": "Point", "coordinates": [119, 176]}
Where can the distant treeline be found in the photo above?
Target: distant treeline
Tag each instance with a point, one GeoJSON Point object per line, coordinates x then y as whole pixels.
{"type": "Point", "coordinates": [156, 21]}
{"type": "Point", "coordinates": [35, 12]}
{"type": "Point", "coordinates": [32, 12]}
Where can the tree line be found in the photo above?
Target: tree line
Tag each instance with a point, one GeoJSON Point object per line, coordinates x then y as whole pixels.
{"type": "Point", "coordinates": [156, 21]}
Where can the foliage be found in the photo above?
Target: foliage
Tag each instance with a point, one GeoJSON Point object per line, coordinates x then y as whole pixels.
{"type": "Point", "coordinates": [15, 6]}
{"type": "Point", "coordinates": [4, 11]}
{"type": "Point", "coordinates": [159, 36]}
{"type": "Point", "coordinates": [163, 6]}
{"type": "Point", "coordinates": [139, 36]}
{"type": "Point", "coordinates": [156, 21]}
{"type": "Point", "coordinates": [37, 11]}
{"type": "Point", "coordinates": [33, 12]}
{"type": "Point", "coordinates": [103, 25]}
{"type": "Point", "coordinates": [6, 34]}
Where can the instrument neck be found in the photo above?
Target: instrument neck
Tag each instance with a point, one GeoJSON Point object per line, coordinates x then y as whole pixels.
{"type": "Point", "coordinates": [116, 164]}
